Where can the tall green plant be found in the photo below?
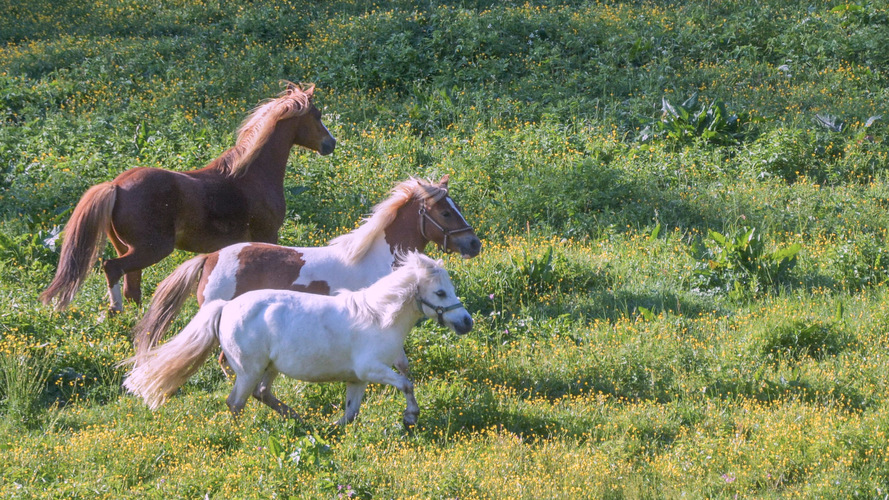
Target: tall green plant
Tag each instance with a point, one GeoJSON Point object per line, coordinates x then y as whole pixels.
{"type": "Point", "coordinates": [739, 263]}
{"type": "Point", "coordinates": [693, 120]}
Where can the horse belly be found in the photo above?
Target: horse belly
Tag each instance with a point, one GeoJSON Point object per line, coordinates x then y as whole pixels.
{"type": "Point", "coordinates": [264, 266]}
{"type": "Point", "coordinates": [325, 269]}
{"type": "Point", "coordinates": [303, 336]}
{"type": "Point", "coordinates": [313, 351]}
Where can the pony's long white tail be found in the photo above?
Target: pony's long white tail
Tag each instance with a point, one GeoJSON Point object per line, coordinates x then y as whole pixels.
{"type": "Point", "coordinates": [161, 371]}
{"type": "Point", "coordinates": [168, 299]}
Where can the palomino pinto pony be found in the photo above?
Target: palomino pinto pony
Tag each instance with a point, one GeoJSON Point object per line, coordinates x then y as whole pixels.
{"type": "Point", "coordinates": [147, 212]}
{"type": "Point", "coordinates": [351, 337]}
{"type": "Point", "coordinates": [416, 212]}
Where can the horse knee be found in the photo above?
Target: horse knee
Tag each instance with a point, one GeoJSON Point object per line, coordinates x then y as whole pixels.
{"type": "Point", "coordinates": [402, 365]}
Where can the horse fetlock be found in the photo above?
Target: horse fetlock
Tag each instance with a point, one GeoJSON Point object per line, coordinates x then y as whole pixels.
{"type": "Point", "coordinates": [114, 298]}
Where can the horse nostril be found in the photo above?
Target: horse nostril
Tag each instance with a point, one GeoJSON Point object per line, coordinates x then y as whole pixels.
{"type": "Point", "coordinates": [327, 147]}
{"type": "Point", "coordinates": [467, 324]}
{"type": "Point", "coordinates": [473, 248]}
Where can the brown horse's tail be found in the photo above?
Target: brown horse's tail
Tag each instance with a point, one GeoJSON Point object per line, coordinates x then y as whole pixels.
{"type": "Point", "coordinates": [168, 299]}
{"type": "Point", "coordinates": [83, 239]}
{"type": "Point", "coordinates": [161, 371]}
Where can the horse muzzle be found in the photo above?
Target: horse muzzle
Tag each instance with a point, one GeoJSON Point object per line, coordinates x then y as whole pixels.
{"type": "Point", "coordinates": [468, 246]}
{"type": "Point", "coordinates": [463, 327]}
{"type": "Point", "coordinates": [327, 146]}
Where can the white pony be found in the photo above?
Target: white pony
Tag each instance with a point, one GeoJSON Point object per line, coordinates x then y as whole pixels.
{"type": "Point", "coordinates": [351, 337]}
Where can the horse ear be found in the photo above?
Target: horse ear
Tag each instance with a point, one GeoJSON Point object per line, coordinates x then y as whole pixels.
{"type": "Point", "coordinates": [307, 88]}
{"type": "Point", "coordinates": [444, 181]}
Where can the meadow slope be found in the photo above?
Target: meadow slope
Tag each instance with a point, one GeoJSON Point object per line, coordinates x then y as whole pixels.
{"type": "Point", "coordinates": [682, 290]}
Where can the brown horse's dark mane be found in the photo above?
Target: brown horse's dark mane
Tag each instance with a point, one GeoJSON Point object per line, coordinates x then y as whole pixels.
{"type": "Point", "coordinates": [258, 126]}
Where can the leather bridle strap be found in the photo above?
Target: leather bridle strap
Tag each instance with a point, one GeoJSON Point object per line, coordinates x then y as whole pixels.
{"type": "Point", "coordinates": [424, 216]}
{"type": "Point", "coordinates": [439, 310]}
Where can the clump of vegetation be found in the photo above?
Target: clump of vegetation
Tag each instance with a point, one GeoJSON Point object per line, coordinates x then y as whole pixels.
{"type": "Point", "coordinates": [25, 370]}
{"type": "Point", "coordinates": [740, 265]}
{"type": "Point", "coordinates": [693, 120]}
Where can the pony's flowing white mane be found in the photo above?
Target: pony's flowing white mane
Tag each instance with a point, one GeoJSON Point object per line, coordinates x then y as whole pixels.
{"type": "Point", "coordinates": [256, 129]}
{"type": "Point", "coordinates": [380, 303]}
{"type": "Point", "coordinates": [357, 242]}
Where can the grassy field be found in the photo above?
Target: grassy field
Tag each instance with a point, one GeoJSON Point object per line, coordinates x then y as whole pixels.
{"type": "Point", "coordinates": [682, 291]}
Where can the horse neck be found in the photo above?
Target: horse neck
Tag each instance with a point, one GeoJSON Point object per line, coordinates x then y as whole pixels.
{"type": "Point", "coordinates": [271, 159]}
{"type": "Point", "coordinates": [403, 234]}
{"type": "Point", "coordinates": [406, 319]}
{"type": "Point", "coordinates": [380, 298]}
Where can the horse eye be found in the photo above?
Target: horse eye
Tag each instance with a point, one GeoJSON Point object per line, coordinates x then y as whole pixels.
{"type": "Point", "coordinates": [446, 213]}
{"type": "Point", "coordinates": [441, 294]}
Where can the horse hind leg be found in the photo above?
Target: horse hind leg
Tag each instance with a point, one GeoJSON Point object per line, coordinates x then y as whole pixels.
{"type": "Point", "coordinates": [128, 265]}
{"type": "Point", "coordinates": [263, 392]}
{"type": "Point", "coordinates": [354, 395]}
{"type": "Point", "coordinates": [237, 398]}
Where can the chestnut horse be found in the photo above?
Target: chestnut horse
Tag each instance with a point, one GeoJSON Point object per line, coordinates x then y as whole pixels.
{"type": "Point", "coordinates": [147, 212]}
{"type": "Point", "coordinates": [351, 337]}
{"type": "Point", "coordinates": [415, 213]}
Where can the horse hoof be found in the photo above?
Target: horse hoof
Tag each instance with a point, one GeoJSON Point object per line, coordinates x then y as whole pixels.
{"type": "Point", "coordinates": [410, 419]}
{"type": "Point", "coordinates": [107, 314]}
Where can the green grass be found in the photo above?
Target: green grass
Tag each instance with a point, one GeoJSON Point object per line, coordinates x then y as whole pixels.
{"type": "Point", "coordinates": [669, 301]}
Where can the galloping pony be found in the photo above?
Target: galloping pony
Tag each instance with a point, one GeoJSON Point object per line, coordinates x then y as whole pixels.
{"type": "Point", "coordinates": [147, 212]}
{"type": "Point", "coordinates": [351, 337]}
{"type": "Point", "coordinates": [415, 213]}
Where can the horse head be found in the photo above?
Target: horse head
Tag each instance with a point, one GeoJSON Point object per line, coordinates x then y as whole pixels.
{"type": "Point", "coordinates": [436, 295]}
{"type": "Point", "coordinates": [442, 222]}
{"type": "Point", "coordinates": [309, 131]}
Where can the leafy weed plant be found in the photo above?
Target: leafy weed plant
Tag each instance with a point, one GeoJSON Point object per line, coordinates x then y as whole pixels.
{"type": "Point", "coordinates": [692, 120]}
{"type": "Point", "coordinates": [740, 265]}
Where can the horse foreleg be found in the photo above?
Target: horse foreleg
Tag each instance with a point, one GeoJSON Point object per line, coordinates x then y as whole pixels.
{"type": "Point", "coordinates": [263, 392]}
{"type": "Point", "coordinates": [354, 395]}
{"type": "Point", "coordinates": [385, 375]}
{"type": "Point", "coordinates": [401, 364]}
{"type": "Point", "coordinates": [412, 412]}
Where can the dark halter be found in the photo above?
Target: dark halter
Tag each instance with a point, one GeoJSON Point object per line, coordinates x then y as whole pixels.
{"type": "Point", "coordinates": [424, 216]}
{"type": "Point", "coordinates": [439, 310]}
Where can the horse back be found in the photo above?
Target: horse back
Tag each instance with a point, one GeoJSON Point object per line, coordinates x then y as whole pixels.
{"type": "Point", "coordinates": [238, 269]}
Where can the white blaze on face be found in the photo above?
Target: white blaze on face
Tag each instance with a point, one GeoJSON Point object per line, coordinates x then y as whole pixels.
{"type": "Point", "coordinates": [456, 210]}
